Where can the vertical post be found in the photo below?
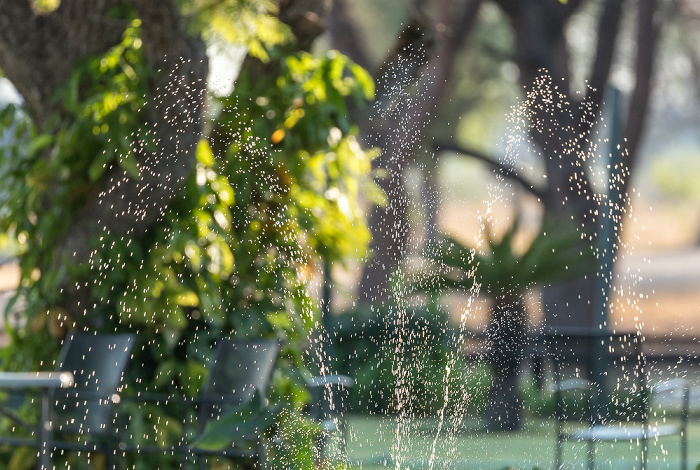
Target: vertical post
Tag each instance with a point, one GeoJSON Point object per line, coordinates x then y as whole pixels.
{"type": "Point", "coordinates": [321, 395]}
{"type": "Point", "coordinates": [45, 446]}
{"type": "Point", "coordinates": [607, 243]}
{"type": "Point", "coordinates": [326, 299]}
{"type": "Point", "coordinates": [684, 426]}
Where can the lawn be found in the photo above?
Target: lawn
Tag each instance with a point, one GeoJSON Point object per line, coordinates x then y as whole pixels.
{"type": "Point", "coordinates": [373, 440]}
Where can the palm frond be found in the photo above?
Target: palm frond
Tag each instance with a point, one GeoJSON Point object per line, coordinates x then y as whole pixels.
{"type": "Point", "coordinates": [556, 253]}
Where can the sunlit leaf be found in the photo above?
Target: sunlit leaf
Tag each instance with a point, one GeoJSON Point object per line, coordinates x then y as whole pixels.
{"type": "Point", "coordinates": [204, 153]}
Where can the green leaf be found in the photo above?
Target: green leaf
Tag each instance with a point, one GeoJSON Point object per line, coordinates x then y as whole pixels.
{"type": "Point", "coordinates": [241, 424]}
{"type": "Point", "coordinates": [130, 165]}
{"type": "Point", "coordinates": [280, 320]}
{"type": "Point", "coordinates": [187, 298]}
{"type": "Point", "coordinates": [39, 142]}
{"type": "Point", "coordinates": [166, 372]}
{"type": "Point", "coordinates": [99, 165]}
{"type": "Point", "coordinates": [364, 79]}
{"type": "Point", "coordinates": [205, 156]}
{"type": "Point", "coordinates": [555, 254]}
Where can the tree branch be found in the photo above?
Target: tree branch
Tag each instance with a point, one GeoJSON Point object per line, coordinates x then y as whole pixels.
{"type": "Point", "coordinates": [608, 27]}
{"type": "Point", "coordinates": [402, 65]}
{"type": "Point", "coordinates": [463, 26]}
{"type": "Point", "coordinates": [513, 8]}
{"type": "Point", "coordinates": [345, 36]}
{"type": "Point", "coordinates": [406, 118]}
{"type": "Point", "coordinates": [647, 38]}
{"type": "Point", "coordinates": [505, 170]}
{"type": "Point", "coordinates": [306, 18]}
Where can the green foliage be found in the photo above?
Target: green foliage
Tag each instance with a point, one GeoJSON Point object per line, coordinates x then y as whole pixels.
{"type": "Point", "coordinates": [275, 188]}
{"type": "Point", "coordinates": [104, 98]}
{"type": "Point", "coordinates": [557, 252]}
{"type": "Point", "coordinates": [623, 404]}
{"type": "Point", "coordinates": [248, 23]}
{"type": "Point", "coordinates": [366, 346]}
{"type": "Point", "coordinates": [317, 164]}
{"type": "Point", "coordinates": [293, 446]}
{"type": "Point", "coordinates": [239, 425]}
{"type": "Point", "coordinates": [230, 256]}
{"type": "Point", "coordinates": [504, 273]}
{"type": "Point", "coordinates": [45, 6]}
{"type": "Point", "coordinates": [47, 175]}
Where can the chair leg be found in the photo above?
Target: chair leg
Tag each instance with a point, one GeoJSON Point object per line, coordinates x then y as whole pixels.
{"type": "Point", "coordinates": [684, 449]}
{"type": "Point", "coordinates": [109, 460]}
{"type": "Point", "coordinates": [188, 459]}
{"type": "Point", "coordinates": [591, 455]}
{"type": "Point", "coordinates": [684, 427]}
{"type": "Point", "coordinates": [321, 445]}
{"type": "Point", "coordinates": [344, 439]}
{"type": "Point", "coordinates": [110, 449]}
{"type": "Point", "coordinates": [557, 459]}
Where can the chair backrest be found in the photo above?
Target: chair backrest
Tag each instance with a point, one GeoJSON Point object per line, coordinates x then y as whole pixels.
{"type": "Point", "coordinates": [573, 355]}
{"type": "Point", "coordinates": [97, 363]}
{"type": "Point", "coordinates": [330, 396]}
{"type": "Point", "coordinates": [576, 350]}
{"type": "Point", "coordinates": [672, 394]}
{"type": "Point", "coordinates": [240, 367]}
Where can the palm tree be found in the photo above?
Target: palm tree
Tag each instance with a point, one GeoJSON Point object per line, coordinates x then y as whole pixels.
{"type": "Point", "coordinates": [556, 253]}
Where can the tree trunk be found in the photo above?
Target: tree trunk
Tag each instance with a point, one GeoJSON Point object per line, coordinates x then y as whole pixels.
{"type": "Point", "coordinates": [403, 119]}
{"type": "Point", "coordinates": [506, 337]}
{"type": "Point", "coordinates": [560, 126]}
{"type": "Point", "coordinates": [38, 53]}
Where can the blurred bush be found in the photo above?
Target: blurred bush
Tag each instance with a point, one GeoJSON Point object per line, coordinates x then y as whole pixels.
{"type": "Point", "coordinates": [407, 360]}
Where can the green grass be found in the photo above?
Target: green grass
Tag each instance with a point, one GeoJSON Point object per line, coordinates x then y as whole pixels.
{"type": "Point", "coordinates": [373, 440]}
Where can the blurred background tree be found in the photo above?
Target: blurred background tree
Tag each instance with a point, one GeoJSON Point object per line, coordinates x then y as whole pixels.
{"type": "Point", "coordinates": [461, 61]}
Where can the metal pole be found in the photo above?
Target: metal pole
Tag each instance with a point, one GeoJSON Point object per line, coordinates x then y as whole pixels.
{"type": "Point", "coordinates": [45, 446]}
{"type": "Point", "coordinates": [328, 347]}
{"type": "Point", "coordinates": [607, 242]}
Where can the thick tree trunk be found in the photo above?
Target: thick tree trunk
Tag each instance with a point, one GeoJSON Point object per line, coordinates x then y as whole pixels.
{"type": "Point", "coordinates": [506, 336]}
{"type": "Point", "coordinates": [560, 127]}
{"type": "Point", "coordinates": [403, 120]}
{"type": "Point", "coordinates": [39, 52]}
{"type": "Point", "coordinates": [173, 121]}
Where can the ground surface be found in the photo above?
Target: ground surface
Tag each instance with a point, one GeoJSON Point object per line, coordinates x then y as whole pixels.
{"type": "Point", "coordinates": [372, 438]}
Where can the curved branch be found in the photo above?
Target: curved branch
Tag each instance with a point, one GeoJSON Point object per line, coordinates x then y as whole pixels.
{"type": "Point", "coordinates": [404, 123]}
{"type": "Point", "coordinates": [505, 170]}
{"type": "Point", "coordinates": [464, 25]}
{"type": "Point", "coordinates": [344, 35]}
{"type": "Point", "coordinates": [306, 18]}
{"type": "Point", "coordinates": [402, 66]}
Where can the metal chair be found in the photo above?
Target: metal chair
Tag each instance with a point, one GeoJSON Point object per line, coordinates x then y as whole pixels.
{"type": "Point", "coordinates": [329, 404]}
{"type": "Point", "coordinates": [578, 398]}
{"type": "Point", "coordinates": [239, 369]}
{"type": "Point", "coordinates": [85, 412]}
